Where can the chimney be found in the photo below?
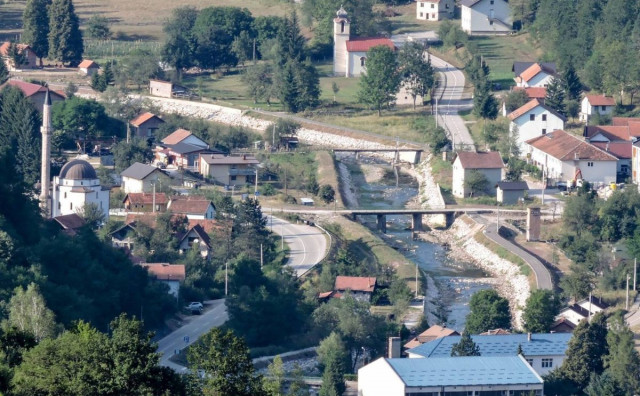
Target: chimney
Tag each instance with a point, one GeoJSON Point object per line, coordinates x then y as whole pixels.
{"type": "Point", "coordinates": [394, 347]}
{"type": "Point", "coordinates": [529, 337]}
{"type": "Point", "coordinates": [607, 146]}
{"type": "Point", "coordinates": [575, 156]}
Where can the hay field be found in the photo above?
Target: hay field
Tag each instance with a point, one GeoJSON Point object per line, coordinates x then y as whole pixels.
{"type": "Point", "coordinates": [137, 19]}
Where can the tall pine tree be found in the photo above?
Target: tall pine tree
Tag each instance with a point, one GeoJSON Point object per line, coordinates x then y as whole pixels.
{"type": "Point", "coordinates": [65, 38]}
{"type": "Point", "coordinates": [571, 83]}
{"type": "Point", "coordinates": [556, 96]}
{"type": "Point", "coordinates": [4, 73]}
{"type": "Point", "coordinates": [36, 27]}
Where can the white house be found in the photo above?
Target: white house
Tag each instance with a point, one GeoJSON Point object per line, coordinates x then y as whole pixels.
{"type": "Point", "coordinates": [534, 119]}
{"type": "Point", "coordinates": [596, 104]}
{"type": "Point", "coordinates": [169, 274]}
{"type": "Point", "coordinates": [486, 16]}
{"type": "Point", "coordinates": [489, 164]}
{"type": "Point", "coordinates": [140, 178]}
{"type": "Point", "coordinates": [184, 136]}
{"type": "Point", "coordinates": [470, 375]}
{"type": "Point", "coordinates": [350, 54]}
{"type": "Point", "coordinates": [543, 351]}
{"type": "Point", "coordinates": [562, 156]}
{"type": "Point", "coordinates": [434, 10]}
{"type": "Point", "coordinates": [536, 75]}
{"type": "Point", "coordinates": [196, 235]}
{"type": "Point", "coordinates": [88, 67]}
{"type": "Point", "coordinates": [76, 186]}
{"type": "Point", "coordinates": [229, 170]}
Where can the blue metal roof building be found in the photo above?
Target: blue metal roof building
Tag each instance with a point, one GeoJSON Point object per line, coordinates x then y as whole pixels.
{"type": "Point", "coordinates": [543, 351]}
{"type": "Point", "coordinates": [475, 375]}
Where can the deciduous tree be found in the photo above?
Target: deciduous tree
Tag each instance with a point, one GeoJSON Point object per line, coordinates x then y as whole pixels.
{"type": "Point", "coordinates": [488, 311]}
{"type": "Point", "coordinates": [540, 311]}
{"type": "Point", "coordinates": [29, 313]}
{"type": "Point", "coordinates": [416, 71]}
{"type": "Point", "coordinates": [381, 80]}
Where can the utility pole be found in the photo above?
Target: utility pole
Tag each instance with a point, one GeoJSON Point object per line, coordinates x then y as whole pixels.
{"type": "Point", "coordinates": [273, 137]}
{"type": "Point", "coordinates": [153, 208]}
{"type": "Point", "coordinates": [627, 302]}
{"type": "Point", "coordinates": [255, 191]}
{"type": "Point", "coordinates": [226, 279]}
{"type": "Point", "coordinates": [282, 234]}
{"type": "Point", "coordinates": [498, 221]}
{"type": "Point", "coordinates": [416, 279]}
{"type": "Point", "coordinates": [436, 112]}
{"type": "Point", "coordinates": [635, 274]}
{"type": "Point", "coordinates": [261, 257]}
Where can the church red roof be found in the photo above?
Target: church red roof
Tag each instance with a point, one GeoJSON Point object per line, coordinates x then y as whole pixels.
{"type": "Point", "coordinates": [365, 44]}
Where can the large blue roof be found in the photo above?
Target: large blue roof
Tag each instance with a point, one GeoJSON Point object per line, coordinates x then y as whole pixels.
{"type": "Point", "coordinates": [458, 371]}
{"type": "Point", "coordinates": [553, 344]}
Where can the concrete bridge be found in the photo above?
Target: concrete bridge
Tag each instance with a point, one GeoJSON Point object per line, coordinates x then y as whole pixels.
{"type": "Point", "coordinates": [416, 214]}
{"type": "Point", "coordinates": [411, 155]}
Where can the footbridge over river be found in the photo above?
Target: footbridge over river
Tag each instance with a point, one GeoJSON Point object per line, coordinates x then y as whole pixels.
{"type": "Point", "coordinates": [411, 155]}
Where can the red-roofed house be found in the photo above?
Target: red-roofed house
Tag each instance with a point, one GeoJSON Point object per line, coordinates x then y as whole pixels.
{"type": "Point", "coordinates": [198, 236]}
{"type": "Point", "coordinates": [596, 104]}
{"type": "Point", "coordinates": [534, 119]}
{"type": "Point", "coordinates": [88, 67]}
{"type": "Point", "coordinates": [361, 287]}
{"type": "Point", "coordinates": [194, 207]}
{"type": "Point", "coordinates": [434, 10]}
{"type": "Point", "coordinates": [146, 124]}
{"type": "Point", "coordinates": [30, 57]}
{"type": "Point", "coordinates": [562, 156]}
{"type": "Point", "coordinates": [536, 75]}
{"type": "Point", "coordinates": [488, 164]}
{"type": "Point", "coordinates": [622, 150]}
{"type": "Point", "coordinates": [35, 93]}
{"type": "Point", "coordinates": [432, 333]}
{"type": "Point", "coordinates": [183, 136]}
{"type": "Point", "coordinates": [143, 202]}
{"type": "Point", "coordinates": [349, 55]}
{"type": "Point", "coordinates": [171, 275]}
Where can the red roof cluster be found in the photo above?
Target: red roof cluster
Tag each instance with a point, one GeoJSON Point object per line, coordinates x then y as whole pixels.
{"type": "Point", "coordinates": [600, 100]}
{"type": "Point", "coordinates": [355, 283]}
{"type": "Point", "coordinates": [564, 146]}
{"type": "Point", "coordinates": [146, 198]}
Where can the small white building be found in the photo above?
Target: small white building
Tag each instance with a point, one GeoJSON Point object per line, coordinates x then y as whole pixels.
{"type": "Point", "coordinates": [88, 67]}
{"type": "Point", "coordinates": [171, 275]}
{"type": "Point", "coordinates": [534, 119]}
{"type": "Point", "coordinates": [163, 89]}
{"type": "Point", "coordinates": [565, 157]}
{"type": "Point", "coordinates": [463, 376]}
{"type": "Point", "coordinates": [140, 178]}
{"type": "Point", "coordinates": [488, 164]}
{"type": "Point", "coordinates": [76, 186]}
{"type": "Point", "coordinates": [197, 236]}
{"type": "Point", "coordinates": [537, 75]}
{"type": "Point", "coordinates": [511, 192]}
{"type": "Point", "coordinates": [486, 16]}
{"type": "Point", "coordinates": [434, 10]}
{"type": "Point", "coordinates": [350, 54]}
{"type": "Point", "coordinates": [596, 104]}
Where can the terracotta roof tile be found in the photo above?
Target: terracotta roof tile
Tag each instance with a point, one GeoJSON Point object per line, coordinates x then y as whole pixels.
{"type": "Point", "coordinates": [29, 89]}
{"type": "Point", "coordinates": [622, 121]}
{"type": "Point", "coordinates": [220, 159]}
{"type": "Point", "coordinates": [621, 150]}
{"type": "Point", "coordinates": [600, 100]}
{"type": "Point", "coordinates": [609, 131]}
{"type": "Point", "coordinates": [146, 198]}
{"type": "Point", "coordinates": [189, 205]}
{"type": "Point", "coordinates": [71, 221]}
{"type": "Point", "coordinates": [177, 136]}
{"type": "Point", "coordinates": [481, 160]}
{"type": "Point", "coordinates": [4, 48]}
{"type": "Point", "coordinates": [530, 105]}
{"type": "Point", "coordinates": [208, 225]}
{"type": "Point", "coordinates": [355, 283]}
{"type": "Point", "coordinates": [142, 118]}
{"type": "Point", "coordinates": [533, 71]}
{"type": "Point", "coordinates": [565, 147]}
{"type": "Point", "coordinates": [533, 92]}
{"type": "Point", "coordinates": [165, 271]}
{"type": "Point", "coordinates": [87, 63]}
{"type": "Point", "coordinates": [365, 44]}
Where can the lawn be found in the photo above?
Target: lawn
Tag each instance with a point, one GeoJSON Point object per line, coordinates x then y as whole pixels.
{"type": "Point", "coordinates": [138, 19]}
{"type": "Point", "coordinates": [405, 21]}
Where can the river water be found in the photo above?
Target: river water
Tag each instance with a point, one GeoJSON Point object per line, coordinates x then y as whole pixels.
{"type": "Point", "coordinates": [371, 184]}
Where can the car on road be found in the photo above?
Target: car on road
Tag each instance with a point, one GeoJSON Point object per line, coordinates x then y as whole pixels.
{"type": "Point", "coordinates": [196, 308]}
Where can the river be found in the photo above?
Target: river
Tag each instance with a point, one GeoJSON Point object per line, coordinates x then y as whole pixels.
{"type": "Point", "coordinates": [370, 183]}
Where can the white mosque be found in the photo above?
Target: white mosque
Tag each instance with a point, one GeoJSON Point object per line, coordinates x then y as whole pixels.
{"type": "Point", "coordinates": [77, 184]}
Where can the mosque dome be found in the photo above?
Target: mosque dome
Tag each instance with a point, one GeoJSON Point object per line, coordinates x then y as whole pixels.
{"type": "Point", "coordinates": [78, 170]}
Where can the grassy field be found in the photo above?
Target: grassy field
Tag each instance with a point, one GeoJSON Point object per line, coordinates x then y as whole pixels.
{"type": "Point", "coordinates": [405, 21]}
{"type": "Point", "coordinates": [141, 19]}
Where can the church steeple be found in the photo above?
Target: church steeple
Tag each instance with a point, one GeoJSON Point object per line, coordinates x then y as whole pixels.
{"type": "Point", "coordinates": [45, 175]}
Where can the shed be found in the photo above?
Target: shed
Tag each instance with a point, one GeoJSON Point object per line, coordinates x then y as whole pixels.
{"type": "Point", "coordinates": [160, 88]}
{"type": "Point", "coordinates": [88, 67]}
{"type": "Point", "coordinates": [510, 192]}
{"type": "Point", "coordinates": [306, 201]}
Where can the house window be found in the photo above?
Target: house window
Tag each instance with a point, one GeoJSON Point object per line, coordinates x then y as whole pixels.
{"type": "Point", "coordinates": [544, 117]}
{"type": "Point", "coordinates": [70, 205]}
{"type": "Point", "coordinates": [59, 206]}
{"type": "Point", "coordinates": [433, 5]}
{"type": "Point", "coordinates": [421, 4]}
{"type": "Point", "coordinates": [421, 14]}
{"type": "Point", "coordinates": [530, 361]}
{"type": "Point", "coordinates": [604, 108]}
{"type": "Point", "coordinates": [233, 178]}
{"type": "Point", "coordinates": [362, 61]}
{"type": "Point", "coordinates": [490, 22]}
{"type": "Point", "coordinates": [491, 2]}
{"type": "Point", "coordinates": [544, 131]}
{"type": "Point", "coordinates": [427, 15]}
{"type": "Point", "coordinates": [96, 195]}
{"type": "Point", "coordinates": [532, 117]}
{"type": "Point", "coordinates": [342, 27]}
{"type": "Point", "coordinates": [547, 363]}
{"type": "Point", "coordinates": [433, 16]}
{"type": "Point", "coordinates": [82, 183]}
{"type": "Point", "coordinates": [590, 164]}
{"type": "Point", "coordinates": [65, 194]}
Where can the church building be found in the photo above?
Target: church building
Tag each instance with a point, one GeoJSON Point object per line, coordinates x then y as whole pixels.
{"type": "Point", "coordinates": [350, 55]}
{"type": "Point", "coordinates": [76, 186]}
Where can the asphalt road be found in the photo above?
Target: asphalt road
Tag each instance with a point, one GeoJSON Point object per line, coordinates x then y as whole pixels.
{"type": "Point", "coordinates": [451, 103]}
{"type": "Point", "coordinates": [215, 315]}
{"type": "Point", "coordinates": [307, 245]}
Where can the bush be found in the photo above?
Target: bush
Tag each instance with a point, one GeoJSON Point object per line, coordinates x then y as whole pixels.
{"type": "Point", "coordinates": [290, 199]}
{"type": "Point", "coordinates": [327, 193]}
{"type": "Point", "coordinates": [267, 190]}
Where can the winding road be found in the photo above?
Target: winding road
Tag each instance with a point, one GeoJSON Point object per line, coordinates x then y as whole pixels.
{"type": "Point", "coordinates": [450, 102]}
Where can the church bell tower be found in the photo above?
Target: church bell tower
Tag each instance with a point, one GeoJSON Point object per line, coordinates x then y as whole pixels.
{"type": "Point", "coordinates": [341, 32]}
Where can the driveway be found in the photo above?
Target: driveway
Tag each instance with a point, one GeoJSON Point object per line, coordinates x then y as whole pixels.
{"type": "Point", "coordinates": [215, 315]}
{"type": "Point", "coordinates": [307, 245]}
{"type": "Point", "coordinates": [451, 102]}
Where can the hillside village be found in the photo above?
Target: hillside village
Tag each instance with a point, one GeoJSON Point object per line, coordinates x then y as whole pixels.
{"type": "Point", "coordinates": [430, 197]}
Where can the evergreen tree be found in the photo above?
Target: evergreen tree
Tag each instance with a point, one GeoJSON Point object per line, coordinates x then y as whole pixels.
{"type": "Point", "coordinates": [36, 27]}
{"type": "Point", "coordinates": [604, 384]}
{"type": "Point", "coordinates": [571, 83]}
{"type": "Point", "coordinates": [381, 81]}
{"type": "Point", "coordinates": [333, 358]}
{"type": "Point", "coordinates": [107, 74]}
{"type": "Point", "coordinates": [556, 96]}
{"type": "Point", "coordinates": [98, 83]}
{"type": "Point", "coordinates": [65, 38]}
{"type": "Point", "coordinates": [586, 351]}
{"type": "Point", "coordinates": [466, 346]}
{"type": "Point", "coordinates": [4, 73]}
{"type": "Point", "coordinates": [623, 362]}
{"type": "Point", "coordinates": [16, 55]}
